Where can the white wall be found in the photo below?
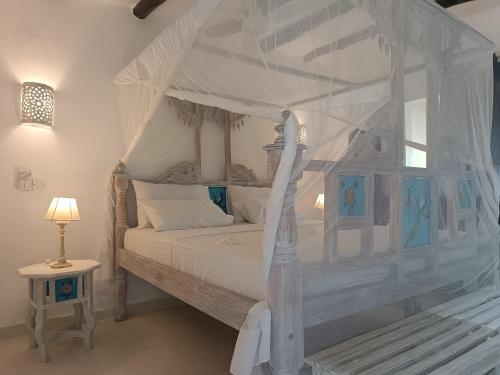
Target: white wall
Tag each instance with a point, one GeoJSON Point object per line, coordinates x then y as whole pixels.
{"type": "Point", "coordinates": [151, 158]}
{"type": "Point", "coordinates": [483, 15]}
{"type": "Point", "coordinates": [77, 46]}
{"type": "Point", "coordinates": [247, 143]}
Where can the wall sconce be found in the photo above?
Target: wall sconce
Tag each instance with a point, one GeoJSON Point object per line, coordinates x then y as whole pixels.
{"type": "Point", "coordinates": [302, 135]}
{"type": "Point", "coordinates": [320, 202]}
{"type": "Point", "coordinates": [37, 105]}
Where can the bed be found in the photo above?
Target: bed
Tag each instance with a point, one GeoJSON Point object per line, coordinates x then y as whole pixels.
{"type": "Point", "coordinates": [353, 72]}
{"type": "Point", "coordinates": [228, 257]}
{"type": "Point", "coordinates": [219, 270]}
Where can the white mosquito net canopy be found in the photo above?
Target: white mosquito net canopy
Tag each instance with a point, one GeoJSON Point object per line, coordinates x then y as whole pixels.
{"type": "Point", "coordinates": [396, 97]}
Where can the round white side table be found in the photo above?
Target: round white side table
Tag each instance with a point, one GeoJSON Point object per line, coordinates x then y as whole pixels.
{"type": "Point", "coordinates": [48, 287]}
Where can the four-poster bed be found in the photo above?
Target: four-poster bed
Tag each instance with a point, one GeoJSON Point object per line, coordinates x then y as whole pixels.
{"type": "Point", "coordinates": [410, 199]}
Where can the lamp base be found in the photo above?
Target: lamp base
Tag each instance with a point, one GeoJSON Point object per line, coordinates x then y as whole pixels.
{"type": "Point", "coordinates": [60, 265]}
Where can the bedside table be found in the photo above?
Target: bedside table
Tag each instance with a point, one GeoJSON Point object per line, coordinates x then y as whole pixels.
{"type": "Point", "coordinates": [49, 287]}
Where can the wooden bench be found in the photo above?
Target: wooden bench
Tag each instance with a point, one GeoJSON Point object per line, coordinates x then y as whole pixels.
{"type": "Point", "coordinates": [459, 337]}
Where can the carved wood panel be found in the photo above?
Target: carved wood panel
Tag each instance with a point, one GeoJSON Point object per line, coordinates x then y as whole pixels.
{"type": "Point", "coordinates": [194, 115]}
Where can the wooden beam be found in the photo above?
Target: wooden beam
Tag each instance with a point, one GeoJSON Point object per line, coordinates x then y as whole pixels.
{"type": "Point", "coordinates": [341, 43]}
{"type": "Point", "coordinates": [245, 101]}
{"type": "Point", "coordinates": [271, 66]}
{"type": "Point", "coordinates": [145, 7]}
{"type": "Point", "coordinates": [454, 57]}
{"type": "Point", "coordinates": [301, 27]}
{"type": "Point", "coordinates": [450, 3]}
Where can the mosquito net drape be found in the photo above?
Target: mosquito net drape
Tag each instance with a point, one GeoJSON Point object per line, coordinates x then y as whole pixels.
{"type": "Point", "coordinates": [396, 97]}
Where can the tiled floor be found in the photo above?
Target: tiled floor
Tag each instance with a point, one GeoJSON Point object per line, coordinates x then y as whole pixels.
{"type": "Point", "coordinates": [175, 341]}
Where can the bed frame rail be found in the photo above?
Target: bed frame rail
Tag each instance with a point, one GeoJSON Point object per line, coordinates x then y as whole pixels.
{"type": "Point", "coordinates": [220, 303]}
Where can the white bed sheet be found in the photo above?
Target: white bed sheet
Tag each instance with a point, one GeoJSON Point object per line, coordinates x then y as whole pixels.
{"type": "Point", "coordinates": [231, 256]}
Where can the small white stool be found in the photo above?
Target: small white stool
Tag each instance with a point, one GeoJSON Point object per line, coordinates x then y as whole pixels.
{"type": "Point", "coordinates": [59, 286]}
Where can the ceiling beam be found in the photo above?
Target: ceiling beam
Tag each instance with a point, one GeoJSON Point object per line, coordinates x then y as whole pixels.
{"type": "Point", "coordinates": [450, 3]}
{"type": "Point", "coordinates": [341, 43]}
{"type": "Point", "coordinates": [454, 57]}
{"type": "Point", "coordinates": [271, 66]}
{"type": "Point", "coordinates": [312, 21]}
{"type": "Point", "coordinates": [145, 7]}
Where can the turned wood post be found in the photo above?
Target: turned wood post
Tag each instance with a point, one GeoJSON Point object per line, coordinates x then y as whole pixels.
{"type": "Point", "coordinates": [120, 183]}
{"type": "Point", "coordinates": [274, 149]}
{"type": "Point", "coordinates": [285, 289]}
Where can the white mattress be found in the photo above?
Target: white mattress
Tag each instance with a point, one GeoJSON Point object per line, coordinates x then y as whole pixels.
{"type": "Point", "coordinates": [229, 256]}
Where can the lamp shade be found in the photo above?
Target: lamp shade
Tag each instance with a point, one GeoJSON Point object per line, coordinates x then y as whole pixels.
{"type": "Point", "coordinates": [320, 201]}
{"type": "Point", "coordinates": [62, 209]}
{"type": "Point", "coordinates": [37, 105]}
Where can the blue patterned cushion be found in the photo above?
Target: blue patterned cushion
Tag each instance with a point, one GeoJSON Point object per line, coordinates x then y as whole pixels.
{"type": "Point", "coordinates": [218, 194]}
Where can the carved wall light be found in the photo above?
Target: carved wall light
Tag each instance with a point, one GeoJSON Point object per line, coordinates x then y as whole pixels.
{"type": "Point", "coordinates": [302, 135]}
{"type": "Point", "coordinates": [37, 105]}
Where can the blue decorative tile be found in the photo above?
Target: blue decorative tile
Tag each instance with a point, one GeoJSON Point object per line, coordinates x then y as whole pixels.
{"type": "Point", "coordinates": [416, 212]}
{"type": "Point", "coordinates": [464, 194]}
{"type": "Point", "coordinates": [218, 195]}
{"type": "Point", "coordinates": [66, 289]}
{"type": "Point", "coordinates": [352, 196]}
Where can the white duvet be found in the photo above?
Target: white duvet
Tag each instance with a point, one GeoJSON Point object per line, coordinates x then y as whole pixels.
{"type": "Point", "coordinates": [230, 256]}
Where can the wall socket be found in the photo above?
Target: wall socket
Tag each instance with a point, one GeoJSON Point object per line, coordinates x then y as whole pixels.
{"type": "Point", "coordinates": [38, 184]}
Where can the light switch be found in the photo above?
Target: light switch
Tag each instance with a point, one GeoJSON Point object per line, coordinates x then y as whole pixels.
{"type": "Point", "coordinates": [24, 179]}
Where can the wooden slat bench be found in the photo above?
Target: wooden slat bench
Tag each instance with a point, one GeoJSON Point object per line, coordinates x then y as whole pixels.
{"type": "Point", "coordinates": [459, 337]}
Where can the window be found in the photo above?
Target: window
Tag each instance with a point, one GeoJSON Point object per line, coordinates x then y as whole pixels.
{"type": "Point", "coordinates": [416, 133]}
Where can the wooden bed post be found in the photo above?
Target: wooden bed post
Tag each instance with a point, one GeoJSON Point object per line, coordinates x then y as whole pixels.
{"type": "Point", "coordinates": [285, 289]}
{"type": "Point", "coordinates": [120, 184]}
{"type": "Point", "coordinates": [274, 151]}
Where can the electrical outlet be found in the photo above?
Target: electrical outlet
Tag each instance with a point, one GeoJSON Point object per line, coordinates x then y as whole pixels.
{"type": "Point", "coordinates": [38, 184]}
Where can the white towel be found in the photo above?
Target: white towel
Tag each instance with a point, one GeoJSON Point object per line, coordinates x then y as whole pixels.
{"type": "Point", "coordinates": [253, 346]}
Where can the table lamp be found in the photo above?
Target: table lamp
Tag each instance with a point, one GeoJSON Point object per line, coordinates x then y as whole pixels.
{"type": "Point", "coordinates": [62, 211]}
{"type": "Point", "coordinates": [320, 202]}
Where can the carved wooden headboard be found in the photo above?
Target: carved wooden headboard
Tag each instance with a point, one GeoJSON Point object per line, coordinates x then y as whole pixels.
{"type": "Point", "coordinates": [184, 173]}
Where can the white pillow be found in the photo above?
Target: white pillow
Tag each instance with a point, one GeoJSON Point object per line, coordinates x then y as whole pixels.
{"type": "Point", "coordinates": [253, 210]}
{"type": "Point", "coordinates": [145, 191]}
{"type": "Point", "coordinates": [185, 214]}
{"type": "Point", "coordinates": [239, 194]}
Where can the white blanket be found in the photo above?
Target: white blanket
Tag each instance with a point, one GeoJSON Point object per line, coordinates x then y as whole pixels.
{"type": "Point", "coordinates": [229, 257]}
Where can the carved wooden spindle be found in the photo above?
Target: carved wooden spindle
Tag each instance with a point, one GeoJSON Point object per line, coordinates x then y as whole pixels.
{"type": "Point", "coordinates": [285, 294]}
{"type": "Point", "coordinates": [227, 147]}
{"type": "Point", "coordinates": [121, 187]}
{"type": "Point", "coordinates": [197, 138]}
